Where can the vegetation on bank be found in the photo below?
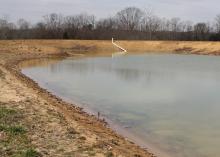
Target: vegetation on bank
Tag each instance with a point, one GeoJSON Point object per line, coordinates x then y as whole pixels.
{"type": "Point", "coordinates": [128, 24]}
{"type": "Point", "coordinates": [14, 141]}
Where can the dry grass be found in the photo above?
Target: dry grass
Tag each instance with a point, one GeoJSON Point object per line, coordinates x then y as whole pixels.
{"type": "Point", "coordinates": [105, 47]}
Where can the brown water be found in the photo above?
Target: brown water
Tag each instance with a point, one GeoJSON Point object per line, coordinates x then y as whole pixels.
{"type": "Point", "coordinates": [169, 101]}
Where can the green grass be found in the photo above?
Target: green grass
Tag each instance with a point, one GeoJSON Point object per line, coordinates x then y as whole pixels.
{"type": "Point", "coordinates": [31, 153]}
{"type": "Point", "coordinates": [15, 142]}
{"type": "Point", "coordinates": [8, 121]}
{"type": "Point", "coordinates": [5, 112]}
{"type": "Point", "coordinates": [16, 130]}
{"type": "Point", "coordinates": [12, 130]}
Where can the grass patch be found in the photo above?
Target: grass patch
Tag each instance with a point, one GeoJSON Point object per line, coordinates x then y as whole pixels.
{"type": "Point", "coordinates": [13, 130]}
{"type": "Point", "coordinates": [5, 112]}
{"type": "Point", "coordinates": [15, 142]}
{"type": "Point", "coordinates": [30, 153]}
{"type": "Point", "coordinates": [3, 128]}
{"type": "Point", "coordinates": [16, 130]}
{"type": "Point", "coordinates": [8, 117]}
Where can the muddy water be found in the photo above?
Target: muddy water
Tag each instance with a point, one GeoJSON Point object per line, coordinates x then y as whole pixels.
{"type": "Point", "coordinates": [169, 101]}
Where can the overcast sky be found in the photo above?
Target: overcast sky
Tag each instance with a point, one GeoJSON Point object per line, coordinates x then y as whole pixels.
{"type": "Point", "coordinates": [33, 10]}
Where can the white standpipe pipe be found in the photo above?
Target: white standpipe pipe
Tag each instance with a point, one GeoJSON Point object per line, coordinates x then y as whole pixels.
{"type": "Point", "coordinates": [118, 46]}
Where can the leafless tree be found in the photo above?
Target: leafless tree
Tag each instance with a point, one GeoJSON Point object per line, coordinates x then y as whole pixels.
{"type": "Point", "coordinates": [151, 23]}
{"type": "Point", "coordinates": [200, 31]}
{"type": "Point", "coordinates": [6, 28]}
{"type": "Point", "coordinates": [130, 18]}
{"type": "Point", "coordinates": [217, 23]}
{"type": "Point", "coordinates": [53, 21]}
{"type": "Point", "coordinates": [23, 24]}
{"type": "Point", "coordinates": [130, 23]}
{"type": "Point", "coordinates": [83, 20]}
{"type": "Point", "coordinates": [108, 24]}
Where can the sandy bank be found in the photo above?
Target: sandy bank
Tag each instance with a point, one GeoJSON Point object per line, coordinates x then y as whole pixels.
{"type": "Point", "coordinates": [101, 47]}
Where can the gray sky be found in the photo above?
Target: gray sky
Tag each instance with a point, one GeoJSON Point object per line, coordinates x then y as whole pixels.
{"type": "Point", "coordinates": [33, 10]}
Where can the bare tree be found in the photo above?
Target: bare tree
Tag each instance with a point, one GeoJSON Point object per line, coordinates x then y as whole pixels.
{"type": "Point", "coordinates": [129, 23]}
{"type": "Point", "coordinates": [83, 20]}
{"type": "Point", "coordinates": [6, 28]}
{"type": "Point", "coordinates": [107, 24]}
{"type": "Point", "coordinates": [217, 23]}
{"type": "Point", "coordinates": [174, 27]}
{"type": "Point", "coordinates": [200, 31]}
{"type": "Point", "coordinates": [53, 23]}
{"type": "Point", "coordinates": [23, 24]}
{"type": "Point", "coordinates": [151, 23]}
{"type": "Point", "coordinates": [187, 29]}
{"type": "Point", "coordinates": [130, 18]}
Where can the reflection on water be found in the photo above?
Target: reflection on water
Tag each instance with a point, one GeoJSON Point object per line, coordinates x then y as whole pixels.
{"type": "Point", "coordinates": [170, 101]}
{"type": "Point", "coordinates": [39, 62]}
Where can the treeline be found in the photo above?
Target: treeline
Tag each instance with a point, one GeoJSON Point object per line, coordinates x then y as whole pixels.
{"type": "Point", "coordinates": [130, 23]}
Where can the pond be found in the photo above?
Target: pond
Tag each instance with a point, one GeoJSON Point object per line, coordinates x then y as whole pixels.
{"type": "Point", "coordinates": [171, 102]}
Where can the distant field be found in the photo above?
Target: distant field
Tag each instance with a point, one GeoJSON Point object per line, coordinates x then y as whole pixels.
{"type": "Point", "coordinates": [105, 46]}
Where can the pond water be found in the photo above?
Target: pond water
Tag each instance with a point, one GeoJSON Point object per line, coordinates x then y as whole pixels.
{"type": "Point", "coordinates": [171, 102]}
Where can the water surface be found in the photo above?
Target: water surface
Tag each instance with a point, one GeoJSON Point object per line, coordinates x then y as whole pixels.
{"type": "Point", "coordinates": [169, 101]}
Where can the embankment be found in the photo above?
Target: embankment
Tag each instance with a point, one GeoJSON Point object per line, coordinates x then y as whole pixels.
{"type": "Point", "coordinates": [102, 47]}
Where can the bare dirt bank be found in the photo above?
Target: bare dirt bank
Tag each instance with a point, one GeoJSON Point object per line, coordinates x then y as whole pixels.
{"type": "Point", "coordinates": [102, 47]}
{"type": "Point", "coordinates": [57, 128]}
